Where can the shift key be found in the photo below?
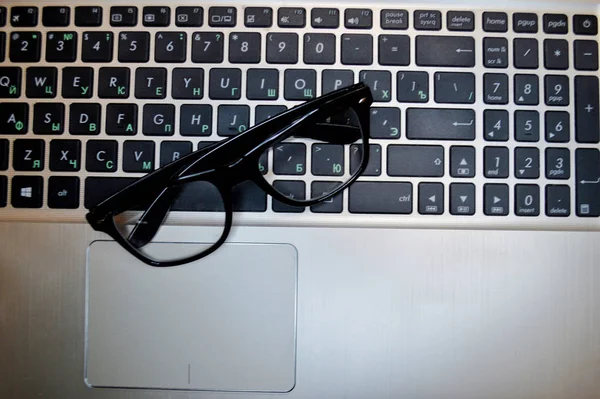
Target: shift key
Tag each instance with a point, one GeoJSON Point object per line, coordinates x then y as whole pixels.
{"type": "Point", "coordinates": [587, 166]}
{"type": "Point", "coordinates": [440, 124]}
{"type": "Point", "coordinates": [415, 160]}
{"type": "Point", "coordinates": [380, 197]}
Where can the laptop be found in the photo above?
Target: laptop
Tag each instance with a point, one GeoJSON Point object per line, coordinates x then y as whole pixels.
{"type": "Point", "coordinates": [463, 263]}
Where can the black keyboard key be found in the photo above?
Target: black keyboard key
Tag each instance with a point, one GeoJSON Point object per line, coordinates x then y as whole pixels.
{"type": "Point", "coordinates": [495, 199]}
{"type": "Point", "coordinates": [356, 157]}
{"type": "Point", "coordinates": [195, 120]}
{"type": "Point", "coordinates": [97, 189]}
{"type": "Point", "coordinates": [428, 20]}
{"type": "Point", "coordinates": [188, 83]}
{"type": "Point", "coordinates": [462, 161]}
{"type": "Point", "coordinates": [527, 126]}
{"type": "Point", "coordinates": [27, 192]}
{"type": "Point", "coordinates": [334, 79]}
{"type": "Point", "coordinates": [440, 124]}
{"type": "Point", "coordinates": [232, 119]}
{"type": "Point", "coordinates": [380, 197]}
{"type": "Point", "coordinates": [262, 84]}
{"type": "Point", "coordinates": [358, 18]}
{"type": "Point", "coordinates": [587, 129]}
{"type": "Point", "coordinates": [41, 82]}
{"type": "Point", "coordinates": [113, 82]}
{"type": "Point", "coordinates": [558, 201]}
{"type": "Point", "coordinates": [10, 82]}
{"type": "Point", "coordinates": [225, 84]}
{"type": "Point", "coordinates": [289, 159]}
{"type": "Point", "coordinates": [525, 22]}
{"type": "Point", "coordinates": [394, 19]}
{"type": "Point", "coordinates": [3, 190]}
{"type": "Point", "coordinates": [101, 156]}
{"type": "Point", "coordinates": [2, 45]}
{"type": "Point", "coordinates": [558, 127]}
{"type": "Point", "coordinates": [150, 83]}
{"type": "Point", "coordinates": [189, 17]}
{"type": "Point", "coordinates": [495, 162]}
{"type": "Point", "coordinates": [462, 199]}
{"type": "Point", "coordinates": [325, 18]}
{"type": "Point", "coordinates": [77, 82]}
{"type": "Point", "coordinates": [585, 24]}
{"type": "Point", "coordinates": [463, 21]}
{"type": "Point", "coordinates": [526, 53]}
{"type": "Point", "coordinates": [28, 155]}
{"type": "Point", "coordinates": [123, 16]}
{"type": "Point", "coordinates": [319, 48]}
{"type": "Point", "coordinates": [171, 151]}
{"type": "Point", "coordinates": [291, 17]}
{"type": "Point", "coordinates": [48, 118]}
{"type": "Point", "coordinates": [495, 125]}
{"type": "Point", "coordinates": [24, 17]}
{"type": "Point", "coordinates": [282, 48]}
{"type": "Point", "coordinates": [454, 88]}
{"type": "Point", "coordinates": [431, 198]}
{"type": "Point", "coordinates": [14, 118]}
{"type": "Point", "coordinates": [495, 52]}
{"type": "Point", "coordinates": [264, 112]}
{"type": "Point", "coordinates": [556, 24]}
{"type": "Point", "coordinates": [97, 47]}
{"type": "Point", "coordinates": [527, 90]}
{"type": "Point", "coordinates": [258, 17]}
{"type": "Point", "coordinates": [156, 16]}
{"type": "Point", "coordinates": [159, 120]}
{"type": "Point", "coordinates": [84, 118]}
{"type": "Point", "coordinates": [170, 47]}
{"type": "Point", "coordinates": [415, 160]}
{"type": "Point", "coordinates": [556, 54]}
{"type": "Point", "coordinates": [248, 197]}
{"type": "Point", "coordinates": [138, 156]}
{"type": "Point", "coordinates": [394, 50]}
{"type": "Point", "coordinates": [558, 163]}
{"type": "Point", "coordinates": [412, 87]}
{"type": "Point", "coordinates": [357, 49]}
{"type": "Point", "coordinates": [495, 88]}
{"type": "Point", "coordinates": [121, 119]}
{"type": "Point", "coordinates": [2, 16]}
{"type": "Point", "coordinates": [495, 22]}
{"type": "Point", "coordinates": [334, 204]}
{"type": "Point", "coordinates": [55, 16]}
{"type": "Point", "coordinates": [88, 16]}
{"type": "Point", "coordinates": [300, 84]}
{"type": "Point", "coordinates": [3, 154]}
{"type": "Point", "coordinates": [586, 55]}
{"type": "Point", "coordinates": [61, 46]}
{"type": "Point", "coordinates": [380, 83]}
{"type": "Point", "coordinates": [25, 46]}
{"type": "Point", "coordinates": [450, 51]}
{"type": "Point", "coordinates": [63, 192]}
{"type": "Point", "coordinates": [527, 200]}
{"type": "Point", "coordinates": [527, 163]}
{"type": "Point", "coordinates": [207, 47]}
{"type": "Point", "coordinates": [222, 17]}
{"type": "Point", "coordinates": [244, 47]}
{"type": "Point", "coordinates": [385, 123]}
{"type": "Point", "coordinates": [556, 89]}
{"type": "Point", "coordinates": [134, 47]}
{"type": "Point", "coordinates": [587, 174]}
{"type": "Point", "coordinates": [291, 189]}
{"type": "Point", "coordinates": [327, 160]}
{"type": "Point", "coordinates": [65, 155]}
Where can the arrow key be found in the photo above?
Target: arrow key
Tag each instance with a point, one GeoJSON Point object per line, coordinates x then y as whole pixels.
{"type": "Point", "coordinates": [557, 127]}
{"type": "Point", "coordinates": [495, 198]}
{"type": "Point", "coordinates": [527, 163]}
{"type": "Point", "coordinates": [431, 198]}
{"type": "Point", "coordinates": [462, 161]}
{"type": "Point", "coordinates": [495, 125]}
{"type": "Point", "coordinates": [462, 199]}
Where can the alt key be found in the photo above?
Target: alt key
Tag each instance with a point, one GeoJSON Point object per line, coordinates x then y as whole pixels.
{"type": "Point", "coordinates": [63, 192]}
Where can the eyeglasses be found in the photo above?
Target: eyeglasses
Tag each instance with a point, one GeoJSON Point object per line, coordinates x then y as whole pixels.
{"type": "Point", "coordinates": [204, 180]}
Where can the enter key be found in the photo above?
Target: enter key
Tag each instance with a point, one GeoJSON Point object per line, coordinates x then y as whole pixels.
{"type": "Point", "coordinates": [588, 182]}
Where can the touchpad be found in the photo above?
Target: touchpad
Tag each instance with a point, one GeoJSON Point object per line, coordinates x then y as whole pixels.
{"type": "Point", "coordinates": [225, 323]}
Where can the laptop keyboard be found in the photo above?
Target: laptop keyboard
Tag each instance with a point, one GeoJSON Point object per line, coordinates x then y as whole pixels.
{"type": "Point", "coordinates": [479, 115]}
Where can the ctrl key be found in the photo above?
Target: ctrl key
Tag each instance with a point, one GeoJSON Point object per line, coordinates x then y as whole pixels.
{"type": "Point", "coordinates": [380, 197]}
{"type": "Point", "coordinates": [27, 191]}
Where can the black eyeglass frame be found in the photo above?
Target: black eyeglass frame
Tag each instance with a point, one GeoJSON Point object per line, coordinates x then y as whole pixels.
{"type": "Point", "coordinates": [235, 160]}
